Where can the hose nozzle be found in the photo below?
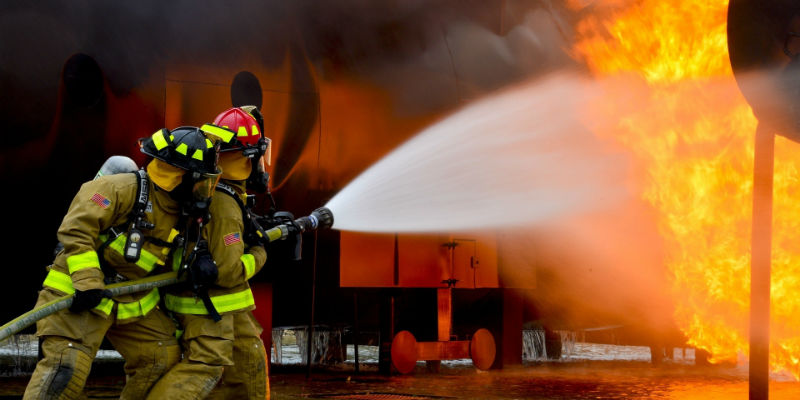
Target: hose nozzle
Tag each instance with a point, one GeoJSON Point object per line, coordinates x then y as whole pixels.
{"type": "Point", "coordinates": [321, 218]}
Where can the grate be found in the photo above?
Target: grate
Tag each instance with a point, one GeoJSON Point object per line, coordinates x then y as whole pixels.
{"type": "Point", "coordinates": [377, 396]}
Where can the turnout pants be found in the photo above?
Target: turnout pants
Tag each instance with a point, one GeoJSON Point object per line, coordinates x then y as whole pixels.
{"type": "Point", "coordinates": [71, 340]}
{"type": "Point", "coordinates": [208, 350]}
{"type": "Point", "coordinates": [247, 378]}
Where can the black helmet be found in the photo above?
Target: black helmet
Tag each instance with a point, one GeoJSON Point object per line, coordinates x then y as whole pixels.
{"type": "Point", "coordinates": [186, 147]}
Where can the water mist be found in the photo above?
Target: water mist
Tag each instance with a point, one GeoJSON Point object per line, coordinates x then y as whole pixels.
{"type": "Point", "coordinates": [517, 158]}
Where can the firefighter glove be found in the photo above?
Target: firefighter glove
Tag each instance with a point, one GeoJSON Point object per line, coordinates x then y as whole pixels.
{"type": "Point", "coordinates": [204, 269]}
{"type": "Point", "coordinates": [87, 299]}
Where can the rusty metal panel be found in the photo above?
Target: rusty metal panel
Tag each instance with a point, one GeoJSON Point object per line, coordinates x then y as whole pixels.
{"type": "Point", "coordinates": [424, 261]}
{"type": "Point", "coordinates": [454, 350]}
{"type": "Point", "coordinates": [516, 259]}
{"type": "Point", "coordinates": [366, 260]}
{"type": "Point", "coordinates": [444, 298]}
{"type": "Point", "coordinates": [485, 265]}
{"type": "Point", "coordinates": [464, 259]}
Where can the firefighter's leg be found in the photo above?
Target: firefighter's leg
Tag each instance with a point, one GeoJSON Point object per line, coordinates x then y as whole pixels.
{"type": "Point", "coordinates": [247, 377]}
{"type": "Point", "coordinates": [69, 343]}
{"type": "Point", "coordinates": [149, 348]}
{"type": "Point", "coordinates": [208, 350]}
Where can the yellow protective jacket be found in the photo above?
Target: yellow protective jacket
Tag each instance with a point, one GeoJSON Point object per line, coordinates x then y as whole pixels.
{"type": "Point", "coordinates": [102, 204]}
{"type": "Point", "coordinates": [236, 263]}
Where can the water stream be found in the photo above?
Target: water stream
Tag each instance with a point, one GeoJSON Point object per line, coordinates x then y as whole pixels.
{"type": "Point", "coordinates": [515, 158]}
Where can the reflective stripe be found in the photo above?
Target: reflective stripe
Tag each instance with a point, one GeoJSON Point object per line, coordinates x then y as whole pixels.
{"type": "Point", "coordinates": [182, 148]}
{"type": "Point", "coordinates": [255, 130]}
{"type": "Point", "coordinates": [105, 306]}
{"type": "Point", "coordinates": [78, 262]}
{"type": "Point", "coordinates": [242, 131]}
{"type": "Point", "coordinates": [147, 260]}
{"type": "Point", "coordinates": [62, 282]}
{"type": "Point", "coordinates": [225, 134]}
{"type": "Point", "coordinates": [59, 281]}
{"type": "Point", "coordinates": [198, 155]}
{"type": "Point", "coordinates": [223, 303]}
{"type": "Point", "coordinates": [249, 262]}
{"type": "Point", "coordinates": [158, 140]}
{"type": "Point", "coordinates": [176, 261]}
{"type": "Point", "coordinates": [274, 234]}
{"type": "Point", "coordinates": [138, 308]}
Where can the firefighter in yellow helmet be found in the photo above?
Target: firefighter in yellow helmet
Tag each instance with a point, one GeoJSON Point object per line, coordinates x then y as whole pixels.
{"type": "Point", "coordinates": [230, 350]}
{"type": "Point", "coordinates": [121, 227]}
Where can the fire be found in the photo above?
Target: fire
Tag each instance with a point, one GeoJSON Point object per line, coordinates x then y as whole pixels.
{"type": "Point", "coordinates": [693, 134]}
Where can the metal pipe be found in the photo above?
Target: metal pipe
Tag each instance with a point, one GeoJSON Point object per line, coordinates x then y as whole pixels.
{"type": "Point", "coordinates": [763, 164]}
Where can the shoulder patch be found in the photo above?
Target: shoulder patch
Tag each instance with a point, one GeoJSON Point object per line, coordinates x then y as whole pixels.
{"type": "Point", "coordinates": [101, 200]}
{"type": "Point", "coordinates": [232, 238]}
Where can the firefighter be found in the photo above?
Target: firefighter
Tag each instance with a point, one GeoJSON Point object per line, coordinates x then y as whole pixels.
{"type": "Point", "coordinates": [121, 227]}
{"type": "Point", "coordinates": [230, 350]}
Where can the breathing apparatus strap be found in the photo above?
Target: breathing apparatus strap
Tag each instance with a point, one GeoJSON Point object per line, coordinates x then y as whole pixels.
{"type": "Point", "coordinates": [251, 224]}
{"type": "Point", "coordinates": [135, 240]}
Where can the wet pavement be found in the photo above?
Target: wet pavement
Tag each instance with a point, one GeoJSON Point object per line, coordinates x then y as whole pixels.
{"type": "Point", "coordinates": [559, 380]}
{"type": "Point", "coordinates": [585, 371]}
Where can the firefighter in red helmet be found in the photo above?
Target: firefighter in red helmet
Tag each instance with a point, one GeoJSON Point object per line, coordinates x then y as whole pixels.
{"type": "Point", "coordinates": [229, 351]}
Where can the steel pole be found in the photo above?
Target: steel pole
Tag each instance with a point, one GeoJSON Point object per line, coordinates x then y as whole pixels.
{"type": "Point", "coordinates": [760, 262]}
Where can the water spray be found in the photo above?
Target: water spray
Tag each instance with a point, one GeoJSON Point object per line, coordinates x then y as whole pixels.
{"type": "Point", "coordinates": [321, 218]}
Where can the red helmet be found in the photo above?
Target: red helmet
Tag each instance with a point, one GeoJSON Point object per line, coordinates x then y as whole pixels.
{"type": "Point", "coordinates": [242, 124]}
{"type": "Point", "coordinates": [241, 129]}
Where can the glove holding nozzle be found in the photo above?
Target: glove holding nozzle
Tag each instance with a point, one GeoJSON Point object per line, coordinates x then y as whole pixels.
{"type": "Point", "coordinates": [87, 299]}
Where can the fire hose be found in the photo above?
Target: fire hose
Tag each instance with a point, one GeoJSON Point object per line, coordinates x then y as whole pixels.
{"type": "Point", "coordinates": [321, 218]}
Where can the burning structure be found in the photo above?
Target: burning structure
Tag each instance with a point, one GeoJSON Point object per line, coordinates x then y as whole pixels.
{"type": "Point", "coordinates": [341, 86]}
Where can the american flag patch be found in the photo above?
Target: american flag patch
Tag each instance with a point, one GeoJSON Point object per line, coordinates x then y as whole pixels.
{"type": "Point", "coordinates": [101, 200]}
{"type": "Point", "coordinates": [232, 238]}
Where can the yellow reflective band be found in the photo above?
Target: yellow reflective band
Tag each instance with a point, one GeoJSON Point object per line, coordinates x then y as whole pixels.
{"type": "Point", "coordinates": [105, 306]}
{"type": "Point", "coordinates": [242, 131]}
{"type": "Point", "coordinates": [274, 234]}
{"type": "Point", "coordinates": [255, 130]}
{"type": "Point", "coordinates": [176, 262]}
{"type": "Point", "coordinates": [198, 155]}
{"type": "Point", "coordinates": [81, 261]}
{"type": "Point", "coordinates": [158, 140]}
{"type": "Point", "coordinates": [223, 303]}
{"type": "Point", "coordinates": [62, 282]}
{"type": "Point", "coordinates": [138, 308]}
{"type": "Point", "coordinates": [182, 148]}
{"type": "Point", "coordinates": [209, 144]}
{"type": "Point", "coordinates": [172, 234]}
{"type": "Point", "coordinates": [225, 134]}
{"type": "Point", "coordinates": [147, 260]}
{"type": "Point", "coordinates": [59, 281]}
{"type": "Point", "coordinates": [249, 265]}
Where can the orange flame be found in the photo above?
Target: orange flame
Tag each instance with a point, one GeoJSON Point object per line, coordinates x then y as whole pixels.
{"type": "Point", "coordinates": [693, 134]}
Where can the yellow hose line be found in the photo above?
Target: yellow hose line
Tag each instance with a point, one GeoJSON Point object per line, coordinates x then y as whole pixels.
{"type": "Point", "coordinates": [118, 289]}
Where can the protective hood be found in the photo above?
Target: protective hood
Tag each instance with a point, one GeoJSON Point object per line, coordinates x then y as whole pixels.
{"type": "Point", "coordinates": [165, 176]}
{"type": "Point", "coordinates": [235, 166]}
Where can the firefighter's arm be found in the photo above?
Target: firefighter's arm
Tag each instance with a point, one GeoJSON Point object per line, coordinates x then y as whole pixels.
{"type": "Point", "coordinates": [225, 236]}
{"type": "Point", "coordinates": [92, 211]}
